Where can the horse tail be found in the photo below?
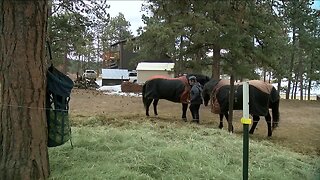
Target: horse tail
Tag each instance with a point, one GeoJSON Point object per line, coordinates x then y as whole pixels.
{"type": "Point", "coordinates": [275, 102]}
{"type": "Point", "coordinates": [144, 99]}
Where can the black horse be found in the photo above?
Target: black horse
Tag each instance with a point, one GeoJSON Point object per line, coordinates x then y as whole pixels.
{"type": "Point", "coordinates": [173, 89]}
{"type": "Point", "coordinates": [262, 96]}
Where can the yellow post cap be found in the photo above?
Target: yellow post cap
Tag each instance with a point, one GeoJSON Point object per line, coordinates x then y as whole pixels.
{"type": "Point", "coordinates": [245, 120]}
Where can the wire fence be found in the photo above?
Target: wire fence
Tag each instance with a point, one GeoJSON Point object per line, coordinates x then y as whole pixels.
{"type": "Point", "coordinates": [32, 107]}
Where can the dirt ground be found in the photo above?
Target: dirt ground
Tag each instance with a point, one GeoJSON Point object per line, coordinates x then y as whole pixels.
{"type": "Point", "coordinates": [299, 127]}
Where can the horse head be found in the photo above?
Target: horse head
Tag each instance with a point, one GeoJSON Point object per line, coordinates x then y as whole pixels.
{"type": "Point", "coordinates": [207, 90]}
{"type": "Point", "coordinates": [202, 79]}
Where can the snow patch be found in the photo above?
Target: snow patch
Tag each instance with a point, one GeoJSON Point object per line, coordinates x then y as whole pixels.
{"type": "Point", "coordinates": [115, 90]}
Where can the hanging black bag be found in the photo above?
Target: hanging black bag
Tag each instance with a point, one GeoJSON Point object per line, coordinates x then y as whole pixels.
{"type": "Point", "coordinates": [59, 88]}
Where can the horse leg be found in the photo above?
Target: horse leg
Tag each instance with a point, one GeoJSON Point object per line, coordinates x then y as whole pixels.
{"type": "Point", "coordinates": [155, 103]}
{"type": "Point", "coordinates": [148, 103]}
{"type": "Point", "coordinates": [254, 125]}
{"type": "Point", "coordinates": [229, 124]}
{"type": "Point", "coordinates": [221, 121]}
{"type": "Point", "coordinates": [268, 119]}
{"type": "Point", "coordinates": [226, 115]}
{"type": "Point", "coordinates": [184, 111]}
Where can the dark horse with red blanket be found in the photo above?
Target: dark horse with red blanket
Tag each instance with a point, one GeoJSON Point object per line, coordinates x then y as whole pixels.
{"type": "Point", "coordinates": [172, 89]}
{"type": "Point", "coordinates": [262, 96]}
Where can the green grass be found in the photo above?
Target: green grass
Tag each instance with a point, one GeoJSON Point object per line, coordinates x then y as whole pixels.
{"type": "Point", "coordinates": [132, 150]}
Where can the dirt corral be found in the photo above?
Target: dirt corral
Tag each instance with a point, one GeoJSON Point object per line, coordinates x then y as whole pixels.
{"type": "Point", "coordinates": [299, 127]}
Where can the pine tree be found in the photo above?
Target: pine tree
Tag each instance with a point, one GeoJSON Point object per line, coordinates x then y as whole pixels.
{"type": "Point", "coordinates": [23, 129]}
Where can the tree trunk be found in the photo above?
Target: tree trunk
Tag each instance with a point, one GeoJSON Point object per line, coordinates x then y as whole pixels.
{"type": "Point", "coordinates": [305, 92]}
{"type": "Point", "coordinates": [293, 91]}
{"type": "Point", "coordinates": [295, 87]}
{"type": "Point", "coordinates": [291, 62]}
{"type": "Point", "coordinates": [180, 56]}
{"type": "Point", "coordinates": [82, 64]}
{"type": "Point", "coordinates": [65, 64]}
{"type": "Point", "coordinates": [98, 56]}
{"type": "Point", "coordinates": [78, 67]}
{"type": "Point", "coordinates": [288, 88]}
{"type": "Point", "coordinates": [309, 81]}
{"type": "Point", "coordinates": [309, 88]}
{"type": "Point", "coordinates": [231, 100]}
{"type": "Point", "coordinates": [269, 80]}
{"type": "Point", "coordinates": [279, 85]}
{"type": "Point", "coordinates": [216, 63]}
{"type": "Point", "coordinates": [301, 86]}
{"type": "Point", "coordinates": [300, 76]}
{"type": "Point", "coordinates": [23, 128]}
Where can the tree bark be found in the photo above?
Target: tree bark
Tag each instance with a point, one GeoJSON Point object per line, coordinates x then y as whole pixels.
{"type": "Point", "coordinates": [279, 84]}
{"type": "Point", "coordinates": [180, 56]}
{"type": "Point", "coordinates": [65, 62]}
{"type": "Point", "coordinates": [23, 128]}
{"type": "Point", "coordinates": [295, 87]}
{"type": "Point", "coordinates": [216, 63]}
{"type": "Point", "coordinates": [231, 100]}
{"type": "Point", "coordinates": [269, 80]}
{"type": "Point", "coordinates": [301, 86]}
{"type": "Point", "coordinates": [309, 81]}
{"type": "Point", "coordinates": [300, 76]}
{"type": "Point", "coordinates": [305, 92]}
{"type": "Point", "coordinates": [291, 62]}
{"type": "Point", "coordinates": [288, 88]}
{"type": "Point", "coordinates": [309, 88]}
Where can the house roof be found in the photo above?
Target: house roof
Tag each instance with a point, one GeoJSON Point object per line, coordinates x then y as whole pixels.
{"type": "Point", "coordinates": [155, 66]}
{"type": "Point", "coordinates": [115, 74]}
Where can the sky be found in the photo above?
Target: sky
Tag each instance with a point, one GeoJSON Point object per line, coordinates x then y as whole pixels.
{"type": "Point", "coordinates": [316, 4]}
{"type": "Point", "coordinates": [131, 10]}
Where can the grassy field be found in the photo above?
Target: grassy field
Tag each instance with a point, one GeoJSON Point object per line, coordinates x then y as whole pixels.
{"type": "Point", "coordinates": [110, 148]}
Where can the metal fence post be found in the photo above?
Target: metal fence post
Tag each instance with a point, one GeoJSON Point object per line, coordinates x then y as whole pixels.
{"type": "Point", "coordinates": [245, 120]}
